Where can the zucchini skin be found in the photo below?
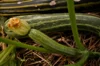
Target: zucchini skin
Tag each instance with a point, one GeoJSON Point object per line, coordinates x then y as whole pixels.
{"type": "Point", "coordinates": [51, 45]}
{"type": "Point", "coordinates": [59, 22]}
{"type": "Point", "coordinates": [43, 6]}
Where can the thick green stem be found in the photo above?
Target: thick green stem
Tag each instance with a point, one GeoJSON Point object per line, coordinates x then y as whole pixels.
{"type": "Point", "coordinates": [5, 51]}
{"type": "Point", "coordinates": [22, 45]}
{"type": "Point", "coordinates": [81, 61]}
{"type": "Point", "coordinates": [71, 10]}
{"type": "Point", "coordinates": [94, 54]}
{"type": "Point", "coordinates": [5, 54]}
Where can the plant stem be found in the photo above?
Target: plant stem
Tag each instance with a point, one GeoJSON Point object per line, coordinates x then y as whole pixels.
{"type": "Point", "coordinates": [81, 61]}
{"type": "Point", "coordinates": [71, 10]}
{"type": "Point", "coordinates": [95, 54]}
{"type": "Point", "coordinates": [4, 51]}
{"type": "Point", "coordinates": [5, 54]}
{"type": "Point", "coordinates": [23, 45]}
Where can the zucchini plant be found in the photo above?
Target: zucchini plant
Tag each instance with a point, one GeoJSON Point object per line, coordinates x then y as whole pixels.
{"type": "Point", "coordinates": [22, 28]}
{"type": "Point", "coordinates": [32, 26]}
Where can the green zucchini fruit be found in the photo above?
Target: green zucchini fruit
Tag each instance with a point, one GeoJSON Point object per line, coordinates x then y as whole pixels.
{"type": "Point", "coordinates": [51, 45]}
{"type": "Point", "coordinates": [58, 22]}
{"type": "Point", "coordinates": [23, 7]}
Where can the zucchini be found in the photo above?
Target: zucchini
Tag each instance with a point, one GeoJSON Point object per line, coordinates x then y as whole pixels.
{"type": "Point", "coordinates": [58, 22]}
{"type": "Point", "coordinates": [51, 45]}
{"type": "Point", "coordinates": [42, 6]}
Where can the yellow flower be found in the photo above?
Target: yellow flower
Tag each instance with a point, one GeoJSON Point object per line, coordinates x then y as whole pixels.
{"type": "Point", "coordinates": [18, 26]}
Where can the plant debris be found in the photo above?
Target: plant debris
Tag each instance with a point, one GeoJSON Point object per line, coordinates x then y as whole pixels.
{"type": "Point", "coordinates": [33, 58]}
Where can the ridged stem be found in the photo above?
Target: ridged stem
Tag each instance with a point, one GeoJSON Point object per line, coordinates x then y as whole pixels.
{"type": "Point", "coordinates": [5, 54]}
{"type": "Point", "coordinates": [22, 45]}
{"type": "Point", "coordinates": [81, 61]}
{"type": "Point", "coordinates": [71, 10]}
{"type": "Point", "coordinates": [95, 54]}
